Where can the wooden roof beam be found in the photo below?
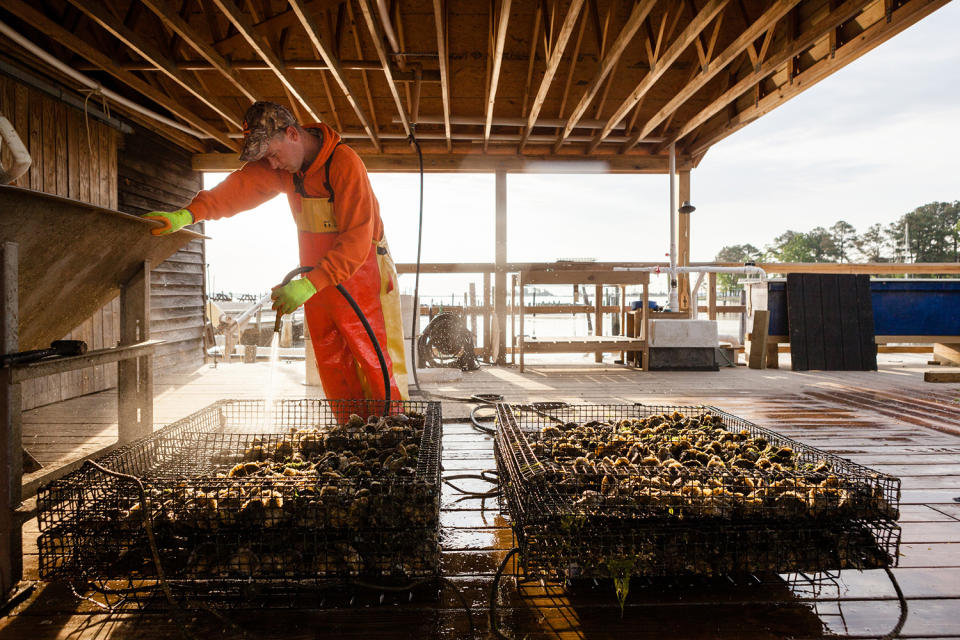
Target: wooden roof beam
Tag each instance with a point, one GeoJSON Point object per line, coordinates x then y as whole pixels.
{"type": "Point", "coordinates": [791, 48]}
{"type": "Point", "coordinates": [482, 163]}
{"type": "Point", "coordinates": [273, 25]}
{"type": "Point", "coordinates": [82, 48]}
{"type": "Point", "coordinates": [262, 48]}
{"type": "Point", "coordinates": [376, 33]}
{"type": "Point", "coordinates": [333, 64]}
{"type": "Point", "coordinates": [871, 37]}
{"type": "Point", "coordinates": [637, 17]}
{"type": "Point", "coordinates": [501, 39]}
{"type": "Point", "coordinates": [766, 22]}
{"type": "Point", "coordinates": [98, 12]}
{"type": "Point", "coordinates": [677, 47]}
{"type": "Point", "coordinates": [186, 33]}
{"type": "Point", "coordinates": [557, 47]}
{"type": "Point", "coordinates": [439, 17]}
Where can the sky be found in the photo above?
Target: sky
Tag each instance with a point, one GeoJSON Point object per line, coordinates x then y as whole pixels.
{"type": "Point", "coordinates": [867, 144]}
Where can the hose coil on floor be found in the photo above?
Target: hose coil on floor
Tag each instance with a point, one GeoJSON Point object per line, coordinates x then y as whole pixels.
{"type": "Point", "coordinates": [446, 342]}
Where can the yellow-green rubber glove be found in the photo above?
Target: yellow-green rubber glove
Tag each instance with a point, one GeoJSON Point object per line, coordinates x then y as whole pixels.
{"type": "Point", "coordinates": [287, 298]}
{"type": "Point", "coordinates": [172, 220]}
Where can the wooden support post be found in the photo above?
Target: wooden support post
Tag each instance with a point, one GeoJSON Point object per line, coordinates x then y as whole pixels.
{"type": "Point", "coordinates": [487, 344]}
{"type": "Point", "coordinates": [513, 319]}
{"type": "Point", "coordinates": [712, 297]}
{"type": "Point", "coordinates": [470, 300]}
{"type": "Point", "coordinates": [598, 316]}
{"type": "Point", "coordinates": [757, 359]}
{"type": "Point", "coordinates": [135, 376]}
{"type": "Point", "coordinates": [622, 313]}
{"type": "Point", "coordinates": [11, 454]}
{"type": "Point", "coordinates": [645, 327]}
{"type": "Point", "coordinates": [522, 306]}
{"type": "Point", "coordinates": [500, 275]}
{"type": "Point", "coordinates": [311, 372]}
{"type": "Point", "coordinates": [683, 241]}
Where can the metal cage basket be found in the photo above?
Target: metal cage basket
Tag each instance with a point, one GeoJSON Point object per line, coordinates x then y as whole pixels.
{"type": "Point", "coordinates": [617, 516]}
{"type": "Point", "coordinates": [607, 463]}
{"type": "Point", "coordinates": [307, 503]}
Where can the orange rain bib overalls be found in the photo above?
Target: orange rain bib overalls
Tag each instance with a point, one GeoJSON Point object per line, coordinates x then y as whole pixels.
{"type": "Point", "coordinates": [346, 360]}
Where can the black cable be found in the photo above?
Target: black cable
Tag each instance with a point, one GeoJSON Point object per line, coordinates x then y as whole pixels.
{"type": "Point", "coordinates": [152, 542]}
{"type": "Point", "coordinates": [902, 620]}
{"type": "Point", "coordinates": [376, 346]}
{"type": "Point", "coordinates": [416, 282]}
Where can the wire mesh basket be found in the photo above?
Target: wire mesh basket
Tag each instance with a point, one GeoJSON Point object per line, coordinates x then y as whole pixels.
{"type": "Point", "coordinates": [577, 459]}
{"type": "Point", "coordinates": [568, 549]}
{"type": "Point", "coordinates": [309, 502]}
{"type": "Point", "coordinates": [593, 490]}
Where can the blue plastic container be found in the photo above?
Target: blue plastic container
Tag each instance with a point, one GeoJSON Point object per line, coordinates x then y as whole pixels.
{"type": "Point", "coordinates": [901, 307]}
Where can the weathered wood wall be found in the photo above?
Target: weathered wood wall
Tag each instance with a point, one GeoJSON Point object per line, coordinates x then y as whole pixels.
{"type": "Point", "coordinates": [67, 162]}
{"type": "Point", "coordinates": [154, 175]}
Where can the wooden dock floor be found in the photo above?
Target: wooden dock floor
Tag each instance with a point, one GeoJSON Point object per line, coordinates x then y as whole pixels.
{"type": "Point", "coordinates": [890, 420]}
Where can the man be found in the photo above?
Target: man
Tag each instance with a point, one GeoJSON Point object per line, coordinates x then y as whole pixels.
{"type": "Point", "coordinates": [341, 235]}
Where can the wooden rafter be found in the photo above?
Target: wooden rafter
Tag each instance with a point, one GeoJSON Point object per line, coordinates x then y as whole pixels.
{"type": "Point", "coordinates": [608, 23]}
{"type": "Point", "coordinates": [97, 12]}
{"type": "Point", "coordinates": [262, 48]}
{"type": "Point", "coordinates": [538, 15]}
{"type": "Point", "coordinates": [82, 48]}
{"type": "Point", "coordinates": [574, 60]}
{"type": "Point", "coordinates": [180, 27]}
{"type": "Point", "coordinates": [556, 53]}
{"type": "Point", "coordinates": [333, 64]}
{"type": "Point", "coordinates": [873, 36]}
{"type": "Point", "coordinates": [766, 22]}
{"type": "Point", "coordinates": [413, 105]}
{"type": "Point", "coordinates": [501, 40]}
{"type": "Point", "coordinates": [439, 17]}
{"type": "Point", "coordinates": [686, 37]}
{"type": "Point", "coordinates": [376, 33]}
{"type": "Point", "coordinates": [355, 32]}
{"type": "Point", "coordinates": [273, 25]}
{"type": "Point", "coordinates": [791, 48]}
{"type": "Point", "coordinates": [637, 17]}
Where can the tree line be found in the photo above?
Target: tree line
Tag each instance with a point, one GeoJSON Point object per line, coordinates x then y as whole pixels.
{"type": "Point", "coordinates": [929, 233]}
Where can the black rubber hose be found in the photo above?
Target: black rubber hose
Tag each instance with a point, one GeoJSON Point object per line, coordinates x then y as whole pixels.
{"type": "Point", "coordinates": [376, 346]}
{"type": "Point", "coordinates": [366, 325]}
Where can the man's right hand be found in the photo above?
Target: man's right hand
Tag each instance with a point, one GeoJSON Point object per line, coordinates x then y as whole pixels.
{"type": "Point", "coordinates": [172, 220]}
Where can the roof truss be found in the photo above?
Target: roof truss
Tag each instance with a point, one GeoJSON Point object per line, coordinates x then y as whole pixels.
{"type": "Point", "coordinates": [467, 79]}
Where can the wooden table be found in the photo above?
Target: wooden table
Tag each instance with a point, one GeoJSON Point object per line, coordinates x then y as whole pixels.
{"type": "Point", "coordinates": [596, 343]}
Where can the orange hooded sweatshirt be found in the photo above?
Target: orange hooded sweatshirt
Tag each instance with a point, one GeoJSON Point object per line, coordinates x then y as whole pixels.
{"type": "Point", "coordinates": [355, 207]}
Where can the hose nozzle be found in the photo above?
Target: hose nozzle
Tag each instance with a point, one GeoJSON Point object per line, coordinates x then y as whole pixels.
{"type": "Point", "coordinates": [290, 276]}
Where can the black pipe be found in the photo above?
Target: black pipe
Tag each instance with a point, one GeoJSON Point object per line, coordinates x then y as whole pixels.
{"type": "Point", "coordinates": [366, 325]}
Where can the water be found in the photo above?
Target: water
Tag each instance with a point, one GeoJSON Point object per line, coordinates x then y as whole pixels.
{"type": "Point", "coordinates": [271, 391]}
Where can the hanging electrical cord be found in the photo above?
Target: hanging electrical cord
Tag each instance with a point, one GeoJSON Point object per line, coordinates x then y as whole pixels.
{"type": "Point", "coordinates": [416, 282]}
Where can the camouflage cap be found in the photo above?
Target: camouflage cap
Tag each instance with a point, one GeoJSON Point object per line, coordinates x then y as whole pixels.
{"type": "Point", "coordinates": [261, 123]}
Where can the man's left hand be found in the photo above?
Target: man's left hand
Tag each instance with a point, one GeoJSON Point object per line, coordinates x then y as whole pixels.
{"type": "Point", "coordinates": [287, 298]}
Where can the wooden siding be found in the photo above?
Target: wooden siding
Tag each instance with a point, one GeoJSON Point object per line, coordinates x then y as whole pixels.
{"type": "Point", "coordinates": [155, 175]}
{"type": "Point", "coordinates": [67, 163]}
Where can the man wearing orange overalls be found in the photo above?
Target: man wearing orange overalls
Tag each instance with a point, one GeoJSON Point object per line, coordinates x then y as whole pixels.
{"type": "Point", "coordinates": [341, 236]}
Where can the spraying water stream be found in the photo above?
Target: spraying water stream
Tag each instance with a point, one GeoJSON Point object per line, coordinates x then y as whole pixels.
{"type": "Point", "coordinates": [271, 385]}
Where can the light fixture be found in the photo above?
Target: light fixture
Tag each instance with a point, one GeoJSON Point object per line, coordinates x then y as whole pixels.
{"type": "Point", "coordinates": [686, 207]}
